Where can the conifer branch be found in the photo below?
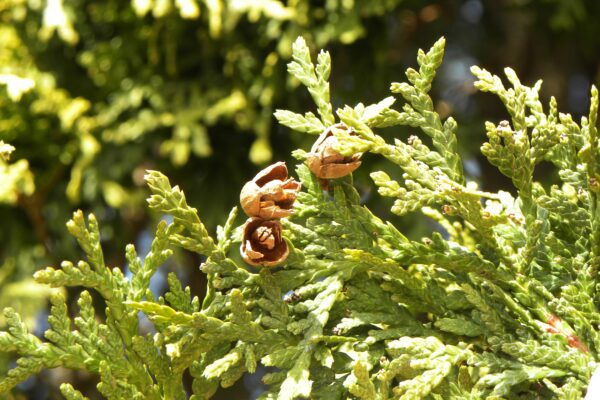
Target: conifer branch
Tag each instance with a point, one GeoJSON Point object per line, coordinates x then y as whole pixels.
{"type": "Point", "coordinates": [502, 304]}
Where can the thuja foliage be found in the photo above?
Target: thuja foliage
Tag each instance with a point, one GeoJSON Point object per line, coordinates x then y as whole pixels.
{"type": "Point", "coordinates": [125, 70]}
{"type": "Point", "coordinates": [92, 93]}
{"type": "Point", "coordinates": [16, 178]}
{"type": "Point", "coordinates": [16, 287]}
{"type": "Point", "coordinates": [501, 303]}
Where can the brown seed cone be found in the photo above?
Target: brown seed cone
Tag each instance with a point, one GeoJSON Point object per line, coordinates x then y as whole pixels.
{"type": "Point", "coordinates": [263, 244]}
{"type": "Point", "coordinates": [271, 194]}
{"type": "Point", "coordinates": [327, 163]}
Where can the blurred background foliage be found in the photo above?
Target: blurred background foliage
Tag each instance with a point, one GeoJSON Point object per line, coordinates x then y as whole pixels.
{"type": "Point", "coordinates": [93, 93]}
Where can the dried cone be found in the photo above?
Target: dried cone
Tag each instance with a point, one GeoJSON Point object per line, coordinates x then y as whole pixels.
{"type": "Point", "coordinates": [262, 244]}
{"type": "Point", "coordinates": [271, 194]}
{"type": "Point", "coordinates": [327, 163]}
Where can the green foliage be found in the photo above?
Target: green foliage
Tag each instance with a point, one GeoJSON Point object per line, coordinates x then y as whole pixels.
{"type": "Point", "coordinates": [16, 178]}
{"type": "Point", "coordinates": [17, 290]}
{"type": "Point", "coordinates": [93, 93]}
{"type": "Point", "coordinates": [139, 81]}
{"type": "Point", "coordinates": [503, 306]}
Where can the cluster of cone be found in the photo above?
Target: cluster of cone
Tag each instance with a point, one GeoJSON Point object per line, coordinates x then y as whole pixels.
{"type": "Point", "coordinates": [271, 194]}
{"type": "Point", "coordinates": [265, 199]}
